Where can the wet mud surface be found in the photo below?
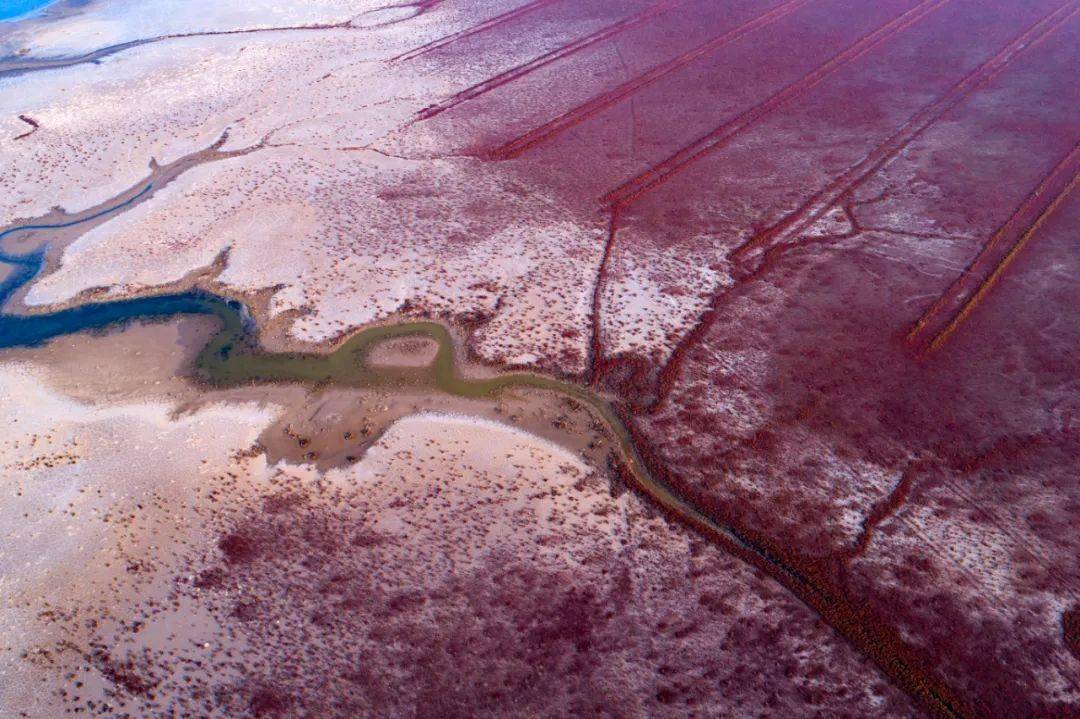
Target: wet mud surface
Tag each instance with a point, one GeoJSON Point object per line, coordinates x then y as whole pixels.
{"type": "Point", "coordinates": [799, 274]}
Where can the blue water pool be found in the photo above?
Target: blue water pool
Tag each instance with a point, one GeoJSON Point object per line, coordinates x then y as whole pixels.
{"type": "Point", "coordinates": [11, 9]}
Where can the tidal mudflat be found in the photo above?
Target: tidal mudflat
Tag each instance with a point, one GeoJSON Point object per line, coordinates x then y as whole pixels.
{"type": "Point", "coordinates": [629, 358]}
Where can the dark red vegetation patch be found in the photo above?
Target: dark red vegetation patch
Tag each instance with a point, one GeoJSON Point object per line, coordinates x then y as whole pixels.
{"type": "Point", "coordinates": [312, 611]}
{"type": "Point", "coordinates": [132, 674]}
{"type": "Point", "coordinates": [241, 546]}
{"type": "Point", "coordinates": [268, 702]}
{"type": "Point", "coordinates": [1070, 629]}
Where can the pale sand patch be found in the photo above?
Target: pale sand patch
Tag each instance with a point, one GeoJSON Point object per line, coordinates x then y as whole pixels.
{"type": "Point", "coordinates": [93, 142]}
{"type": "Point", "coordinates": [355, 238]}
{"type": "Point", "coordinates": [405, 352]}
{"type": "Point", "coordinates": [461, 486]}
{"type": "Point", "coordinates": [70, 475]}
{"type": "Point", "coordinates": [98, 499]}
{"type": "Point", "coordinates": [110, 23]}
{"type": "Point", "coordinates": [349, 237]}
{"type": "Point", "coordinates": [63, 459]}
{"type": "Point", "coordinates": [652, 297]}
{"type": "Point", "coordinates": [100, 23]}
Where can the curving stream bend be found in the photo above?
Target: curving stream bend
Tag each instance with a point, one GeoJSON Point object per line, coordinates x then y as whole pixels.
{"type": "Point", "coordinates": [233, 357]}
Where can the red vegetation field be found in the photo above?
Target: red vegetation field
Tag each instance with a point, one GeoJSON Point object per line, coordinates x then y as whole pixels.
{"type": "Point", "coordinates": [860, 348]}
{"type": "Point", "coordinates": [837, 305]}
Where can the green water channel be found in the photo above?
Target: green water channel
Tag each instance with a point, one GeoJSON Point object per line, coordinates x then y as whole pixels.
{"type": "Point", "coordinates": [231, 358]}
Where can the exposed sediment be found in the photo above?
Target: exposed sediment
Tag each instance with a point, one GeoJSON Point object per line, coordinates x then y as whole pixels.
{"type": "Point", "coordinates": [791, 205]}
{"type": "Point", "coordinates": [322, 448]}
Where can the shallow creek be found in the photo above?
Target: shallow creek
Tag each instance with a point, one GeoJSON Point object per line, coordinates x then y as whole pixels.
{"type": "Point", "coordinates": [233, 357]}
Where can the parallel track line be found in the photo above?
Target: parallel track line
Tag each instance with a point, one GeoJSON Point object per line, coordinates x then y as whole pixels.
{"type": "Point", "coordinates": [484, 26]}
{"type": "Point", "coordinates": [663, 171]}
{"type": "Point", "coordinates": [602, 102]}
{"type": "Point", "coordinates": [547, 58]}
{"type": "Point", "coordinates": [943, 318]}
{"type": "Point", "coordinates": [801, 219]}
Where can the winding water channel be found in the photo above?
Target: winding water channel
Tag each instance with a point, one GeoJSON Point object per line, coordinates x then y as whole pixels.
{"type": "Point", "coordinates": [234, 357]}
